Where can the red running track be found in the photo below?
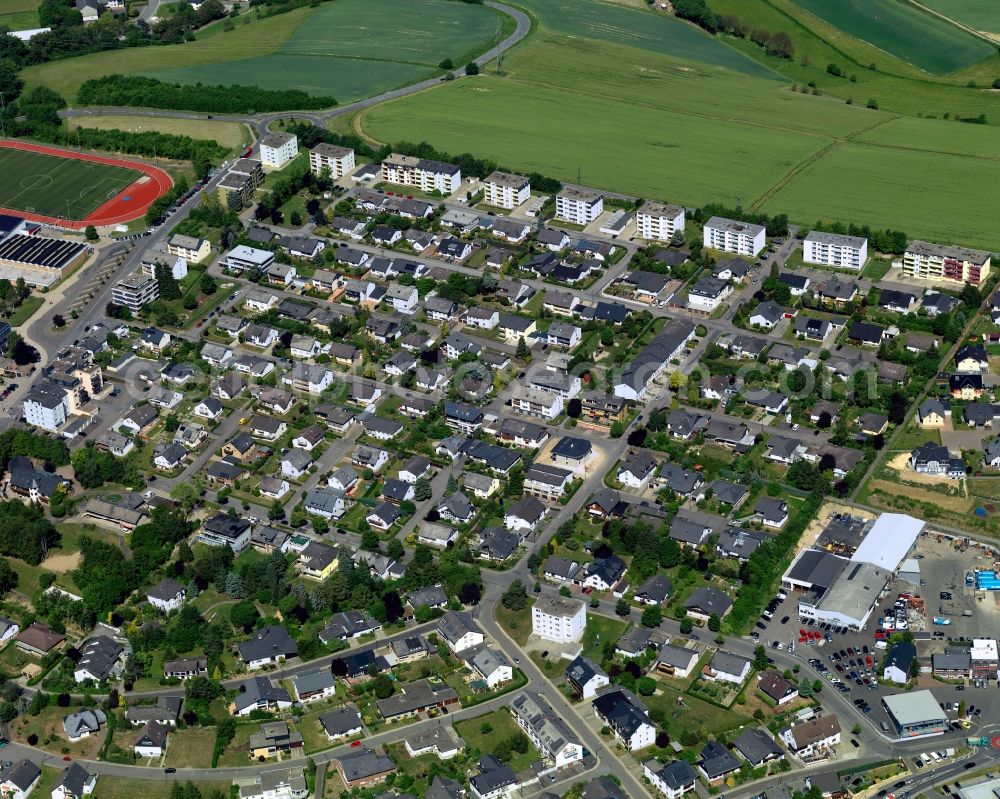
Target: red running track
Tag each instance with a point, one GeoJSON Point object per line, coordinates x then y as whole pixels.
{"type": "Point", "coordinates": [116, 211]}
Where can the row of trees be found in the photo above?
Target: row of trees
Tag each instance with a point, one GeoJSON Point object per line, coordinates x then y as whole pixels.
{"type": "Point", "coordinates": [93, 468]}
{"type": "Point", "coordinates": [133, 90]}
{"type": "Point", "coordinates": [25, 532]}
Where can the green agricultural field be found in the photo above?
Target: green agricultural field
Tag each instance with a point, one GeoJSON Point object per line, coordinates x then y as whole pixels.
{"type": "Point", "coordinates": [251, 37]}
{"type": "Point", "coordinates": [354, 48]}
{"type": "Point", "coordinates": [765, 143]}
{"type": "Point", "coordinates": [656, 32]}
{"type": "Point", "coordinates": [658, 154]}
{"type": "Point", "coordinates": [980, 15]}
{"type": "Point", "coordinates": [893, 83]}
{"type": "Point", "coordinates": [54, 186]}
{"type": "Point", "coordinates": [901, 30]}
{"type": "Point", "coordinates": [939, 197]}
{"type": "Point", "coordinates": [19, 14]}
{"type": "Point", "coordinates": [936, 136]}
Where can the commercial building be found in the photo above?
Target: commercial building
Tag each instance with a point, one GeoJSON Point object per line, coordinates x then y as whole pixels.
{"type": "Point", "coordinates": [278, 148]}
{"type": "Point", "coordinates": [729, 235]}
{"type": "Point", "coordinates": [421, 173]}
{"type": "Point", "coordinates": [504, 190]}
{"type": "Point", "coordinates": [39, 260]}
{"type": "Point", "coordinates": [985, 663]}
{"type": "Point", "coordinates": [832, 249]}
{"type": "Point", "coordinates": [659, 221]}
{"type": "Point", "coordinates": [338, 160]}
{"type": "Point", "coordinates": [916, 714]}
{"type": "Point", "coordinates": [136, 291]}
{"type": "Point", "coordinates": [558, 619]}
{"type": "Point", "coordinates": [578, 205]}
{"type": "Point", "coordinates": [945, 263]}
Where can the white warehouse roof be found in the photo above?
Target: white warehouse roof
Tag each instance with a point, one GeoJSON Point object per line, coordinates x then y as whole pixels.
{"type": "Point", "coordinates": [914, 707]}
{"type": "Point", "coordinates": [889, 541]}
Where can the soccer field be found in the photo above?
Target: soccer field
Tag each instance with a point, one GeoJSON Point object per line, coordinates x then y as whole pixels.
{"type": "Point", "coordinates": [59, 187]}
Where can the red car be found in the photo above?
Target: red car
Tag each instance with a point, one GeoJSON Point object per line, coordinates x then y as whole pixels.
{"type": "Point", "coordinates": [355, 744]}
{"type": "Point", "coordinates": [67, 758]}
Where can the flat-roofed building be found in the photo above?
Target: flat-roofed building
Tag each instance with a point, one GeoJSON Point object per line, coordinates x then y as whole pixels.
{"type": "Point", "coordinates": [833, 249]}
{"type": "Point", "coordinates": [731, 235]}
{"type": "Point", "coordinates": [277, 148]}
{"type": "Point", "coordinates": [338, 160]}
{"type": "Point", "coordinates": [135, 291]}
{"type": "Point", "coordinates": [505, 190]}
{"type": "Point", "coordinates": [579, 205]}
{"type": "Point", "coordinates": [659, 221]}
{"type": "Point", "coordinates": [422, 173]}
{"type": "Point", "coordinates": [916, 714]}
{"type": "Point", "coordinates": [940, 262]}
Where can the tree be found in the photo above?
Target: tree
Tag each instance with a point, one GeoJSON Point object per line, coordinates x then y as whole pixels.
{"type": "Point", "coordinates": [622, 608]}
{"type": "Point", "coordinates": [59, 320]}
{"type": "Point", "coordinates": [167, 283]}
{"type": "Point", "coordinates": [646, 686]}
{"type": "Point", "coordinates": [276, 512]}
{"type": "Point", "coordinates": [714, 623]}
{"type": "Point", "coordinates": [207, 284]}
{"type": "Point", "coordinates": [91, 233]}
{"type": "Point", "coordinates": [573, 408]}
{"type": "Point", "coordinates": [515, 597]}
{"type": "Point", "coordinates": [522, 353]}
{"type": "Point", "coordinates": [651, 616]}
{"type": "Point", "coordinates": [447, 64]}
{"type": "Point", "coordinates": [472, 68]}
{"type": "Point", "coordinates": [686, 625]}
{"type": "Point", "coordinates": [760, 658]}
{"type": "Point", "coordinates": [422, 490]}
{"type": "Point", "coordinates": [244, 615]}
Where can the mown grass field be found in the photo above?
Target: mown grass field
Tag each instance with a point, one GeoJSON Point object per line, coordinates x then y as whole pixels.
{"type": "Point", "coordinates": [650, 31]}
{"type": "Point", "coordinates": [938, 197]}
{"type": "Point", "coordinates": [928, 43]}
{"type": "Point", "coordinates": [55, 186]}
{"type": "Point", "coordinates": [19, 14]}
{"type": "Point", "coordinates": [228, 134]}
{"type": "Point", "coordinates": [354, 48]}
{"type": "Point", "coordinates": [251, 37]}
{"type": "Point", "coordinates": [980, 15]}
{"type": "Point", "coordinates": [934, 135]}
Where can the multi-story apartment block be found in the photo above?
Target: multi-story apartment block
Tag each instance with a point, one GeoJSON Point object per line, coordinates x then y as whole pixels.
{"type": "Point", "coordinates": [66, 385]}
{"type": "Point", "coordinates": [249, 259]}
{"type": "Point", "coordinates": [504, 190]}
{"type": "Point", "coordinates": [278, 148]}
{"type": "Point", "coordinates": [339, 160]}
{"type": "Point", "coordinates": [46, 406]}
{"type": "Point", "coordinates": [556, 742]}
{"type": "Point", "coordinates": [421, 173]}
{"type": "Point", "coordinates": [541, 404]}
{"type": "Point", "coordinates": [135, 291]}
{"type": "Point", "coordinates": [832, 249]}
{"type": "Point", "coordinates": [942, 262]}
{"type": "Point", "coordinates": [729, 235]}
{"type": "Point", "coordinates": [578, 205]}
{"type": "Point", "coordinates": [659, 221]}
{"type": "Point", "coordinates": [236, 189]}
{"type": "Point", "coordinates": [558, 618]}
{"type": "Point", "coordinates": [190, 248]}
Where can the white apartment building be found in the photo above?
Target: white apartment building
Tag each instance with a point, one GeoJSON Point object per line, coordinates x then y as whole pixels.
{"type": "Point", "coordinates": [190, 248]}
{"type": "Point", "coordinates": [729, 235]}
{"type": "Point", "coordinates": [556, 742]}
{"type": "Point", "coordinates": [559, 619]}
{"type": "Point", "coordinates": [249, 259]}
{"type": "Point", "coordinates": [278, 148]}
{"type": "Point", "coordinates": [504, 190]}
{"type": "Point", "coordinates": [178, 269]}
{"type": "Point", "coordinates": [832, 249]}
{"type": "Point", "coordinates": [944, 263]}
{"type": "Point", "coordinates": [46, 406]}
{"type": "Point", "coordinates": [421, 173]}
{"type": "Point", "coordinates": [579, 206]}
{"type": "Point", "coordinates": [338, 160]}
{"type": "Point", "coordinates": [135, 291]}
{"type": "Point", "coordinates": [659, 221]}
{"type": "Point", "coordinates": [540, 404]}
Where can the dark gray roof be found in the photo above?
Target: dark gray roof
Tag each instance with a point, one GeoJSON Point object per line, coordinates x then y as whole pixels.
{"type": "Point", "coordinates": [362, 762]}
{"type": "Point", "coordinates": [269, 642]}
{"type": "Point", "coordinates": [341, 720]}
{"type": "Point", "coordinates": [756, 746]}
{"type": "Point", "coordinates": [710, 600]}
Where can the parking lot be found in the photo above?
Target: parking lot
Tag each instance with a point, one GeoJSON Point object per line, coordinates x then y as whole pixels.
{"type": "Point", "coordinates": [851, 661]}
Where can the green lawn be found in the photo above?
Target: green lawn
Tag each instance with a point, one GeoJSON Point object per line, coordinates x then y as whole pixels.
{"type": "Point", "coordinates": [26, 310]}
{"type": "Point", "coordinates": [55, 186]}
{"type": "Point", "coordinates": [936, 136]}
{"type": "Point", "coordinates": [19, 14]}
{"type": "Point", "coordinates": [981, 15]}
{"type": "Point", "coordinates": [694, 714]}
{"type": "Point", "coordinates": [650, 31]}
{"type": "Point", "coordinates": [901, 30]}
{"type": "Point", "coordinates": [501, 726]}
{"type": "Point", "coordinates": [516, 623]}
{"type": "Point", "coordinates": [354, 48]}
